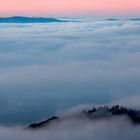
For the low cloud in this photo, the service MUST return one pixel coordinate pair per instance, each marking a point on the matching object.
(77, 127)
(49, 67)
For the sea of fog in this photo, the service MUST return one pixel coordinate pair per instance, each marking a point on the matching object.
(47, 68)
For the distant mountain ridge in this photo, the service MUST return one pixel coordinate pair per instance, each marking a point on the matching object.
(112, 19)
(135, 19)
(21, 19)
(121, 19)
(96, 113)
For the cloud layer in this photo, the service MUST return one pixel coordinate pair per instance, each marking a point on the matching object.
(49, 67)
(77, 127)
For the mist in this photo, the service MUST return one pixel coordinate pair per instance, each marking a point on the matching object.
(75, 126)
(46, 68)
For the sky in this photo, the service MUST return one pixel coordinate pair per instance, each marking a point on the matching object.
(69, 7)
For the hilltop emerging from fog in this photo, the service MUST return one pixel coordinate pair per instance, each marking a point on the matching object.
(20, 19)
(96, 113)
(23, 19)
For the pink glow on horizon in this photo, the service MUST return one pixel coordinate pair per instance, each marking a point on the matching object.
(46, 7)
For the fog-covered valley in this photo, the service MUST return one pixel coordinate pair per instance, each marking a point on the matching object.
(46, 68)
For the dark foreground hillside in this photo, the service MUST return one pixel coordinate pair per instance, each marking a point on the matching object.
(96, 113)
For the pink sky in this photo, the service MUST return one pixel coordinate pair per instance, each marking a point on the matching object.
(64, 7)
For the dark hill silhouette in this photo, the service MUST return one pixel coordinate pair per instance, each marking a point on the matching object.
(135, 19)
(112, 19)
(96, 113)
(133, 115)
(20, 19)
(43, 123)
